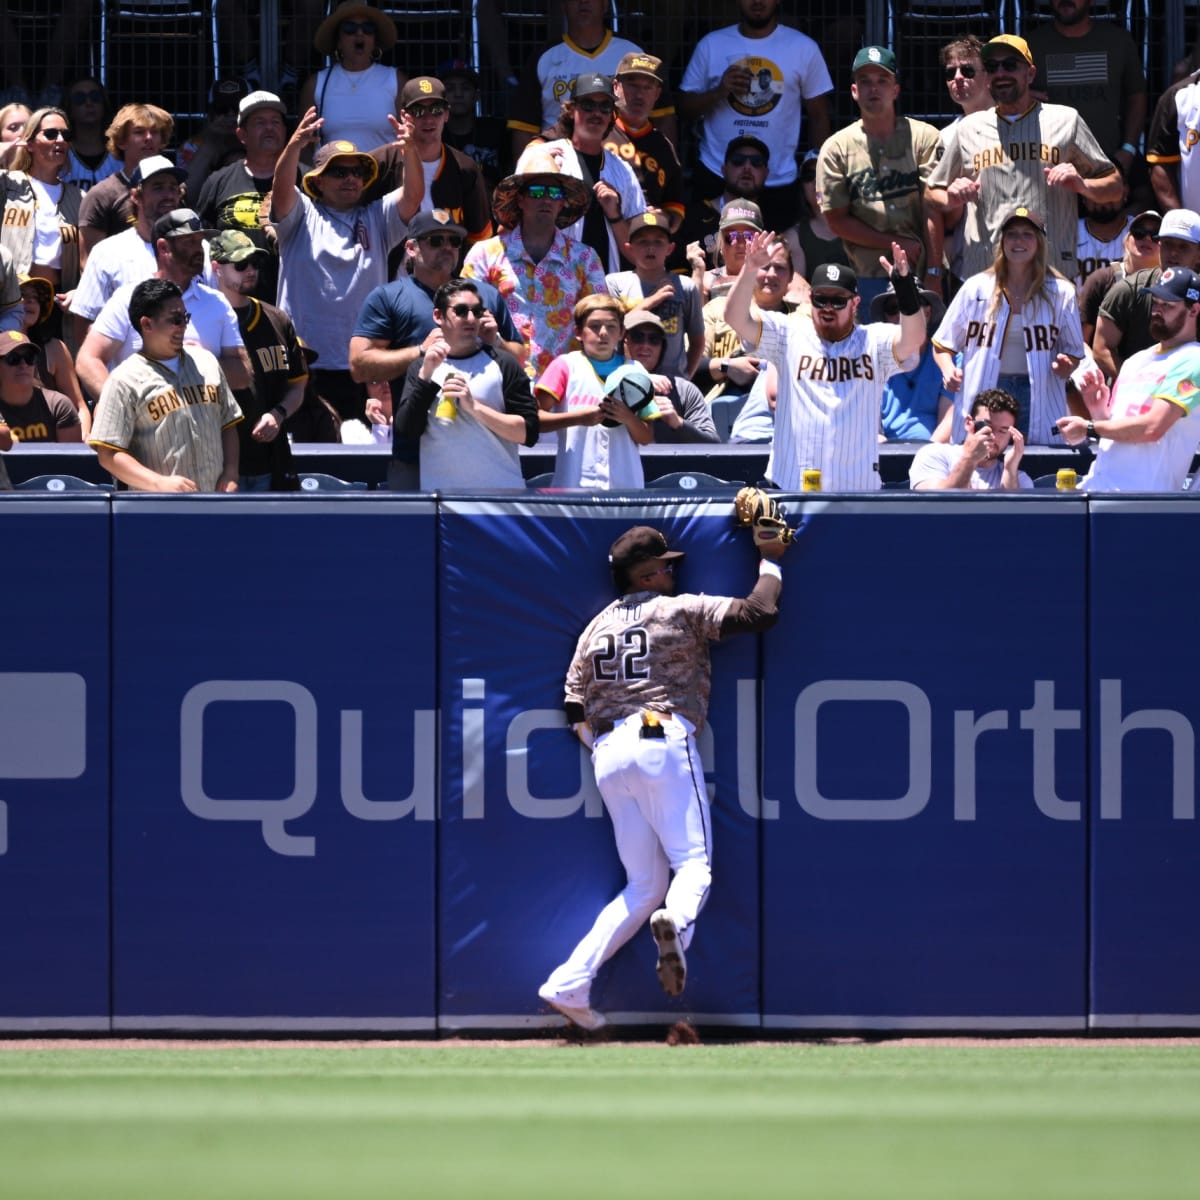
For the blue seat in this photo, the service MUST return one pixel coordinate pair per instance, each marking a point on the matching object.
(317, 481)
(691, 481)
(62, 483)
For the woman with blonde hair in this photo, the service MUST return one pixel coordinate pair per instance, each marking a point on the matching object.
(39, 213)
(1017, 327)
(12, 121)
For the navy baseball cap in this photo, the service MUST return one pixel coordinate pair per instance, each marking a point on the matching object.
(1175, 284)
(834, 275)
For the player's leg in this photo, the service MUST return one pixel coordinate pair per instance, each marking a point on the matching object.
(642, 857)
(677, 806)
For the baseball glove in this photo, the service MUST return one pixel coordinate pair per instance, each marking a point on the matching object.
(760, 512)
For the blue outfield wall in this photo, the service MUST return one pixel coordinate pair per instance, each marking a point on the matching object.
(300, 764)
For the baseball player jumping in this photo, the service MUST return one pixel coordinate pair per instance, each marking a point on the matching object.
(636, 692)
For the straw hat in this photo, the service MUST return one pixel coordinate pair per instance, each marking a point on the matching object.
(538, 165)
(326, 36)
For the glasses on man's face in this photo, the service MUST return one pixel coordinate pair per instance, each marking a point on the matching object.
(438, 240)
(341, 171)
(838, 302)
(52, 135)
(1142, 233)
(25, 357)
(965, 69)
(177, 318)
(1007, 65)
(595, 106)
(244, 265)
(462, 311)
(753, 160)
(95, 96)
(739, 237)
(350, 28)
(420, 111)
(645, 337)
(545, 191)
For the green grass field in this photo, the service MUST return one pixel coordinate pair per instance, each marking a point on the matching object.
(605, 1121)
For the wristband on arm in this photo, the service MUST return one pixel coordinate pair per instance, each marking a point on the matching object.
(908, 295)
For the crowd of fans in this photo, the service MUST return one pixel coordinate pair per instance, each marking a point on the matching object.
(398, 268)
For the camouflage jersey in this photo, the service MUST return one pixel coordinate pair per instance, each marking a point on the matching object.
(647, 651)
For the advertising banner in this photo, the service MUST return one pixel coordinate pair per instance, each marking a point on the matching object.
(527, 852)
(274, 770)
(924, 831)
(1145, 840)
(54, 681)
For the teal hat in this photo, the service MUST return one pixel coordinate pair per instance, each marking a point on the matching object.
(875, 56)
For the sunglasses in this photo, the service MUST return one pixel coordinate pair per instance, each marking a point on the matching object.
(736, 237)
(344, 172)
(350, 28)
(1008, 65)
(25, 357)
(545, 191)
(52, 135)
(463, 311)
(438, 240)
(244, 265)
(1140, 232)
(838, 302)
(93, 97)
(595, 106)
(741, 160)
(651, 336)
(419, 111)
(966, 69)
(178, 318)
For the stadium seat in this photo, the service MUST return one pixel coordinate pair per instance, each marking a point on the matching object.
(691, 481)
(61, 483)
(316, 481)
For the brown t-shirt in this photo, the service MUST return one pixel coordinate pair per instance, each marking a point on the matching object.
(41, 419)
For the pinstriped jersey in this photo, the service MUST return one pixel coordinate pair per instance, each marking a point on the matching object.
(1051, 327)
(1009, 159)
(1175, 134)
(827, 415)
(171, 423)
(647, 651)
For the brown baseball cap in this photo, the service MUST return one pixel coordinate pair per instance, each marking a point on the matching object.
(422, 89)
(640, 544)
(640, 64)
(652, 218)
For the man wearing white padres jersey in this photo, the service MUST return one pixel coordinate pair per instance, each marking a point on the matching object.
(636, 693)
(166, 420)
(1020, 153)
(832, 371)
(1148, 424)
(1171, 146)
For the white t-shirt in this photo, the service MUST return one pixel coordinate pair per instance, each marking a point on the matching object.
(47, 225)
(1160, 466)
(212, 325)
(120, 259)
(785, 68)
(934, 462)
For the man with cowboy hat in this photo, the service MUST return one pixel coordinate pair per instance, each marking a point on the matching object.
(541, 272)
(333, 249)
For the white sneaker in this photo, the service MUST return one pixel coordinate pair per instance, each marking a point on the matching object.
(672, 966)
(582, 1015)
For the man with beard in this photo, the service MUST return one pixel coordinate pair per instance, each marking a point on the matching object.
(1147, 425)
(1096, 68)
(1123, 326)
(719, 85)
(743, 172)
(232, 198)
(1021, 153)
(129, 257)
(277, 360)
(1101, 239)
(831, 371)
(988, 458)
(113, 337)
